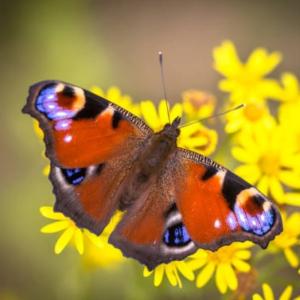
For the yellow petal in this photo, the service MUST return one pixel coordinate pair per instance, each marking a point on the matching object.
(268, 294)
(233, 125)
(163, 112)
(276, 190)
(146, 272)
(250, 173)
(37, 129)
(99, 242)
(78, 237)
(287, 293)
(171, 276)
(257, 297)
(231, 277)
(263, 185)
(197, 263)
(291, 257)
(291, 85)
(220, 279)
(226, 60)
(158, 274)
(176, 111)
(242, 155)
(205, 275)
(149, 114)
(63, 240)
(261, 63)
(46, 170)
(185, 270)
(55, 227)
(114, 94)
(290, 178)
(292, 199)
(241, 265)
(243, 254)
(97, 90)
(47, 212)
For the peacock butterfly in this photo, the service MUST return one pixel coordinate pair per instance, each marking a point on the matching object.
(104, 159)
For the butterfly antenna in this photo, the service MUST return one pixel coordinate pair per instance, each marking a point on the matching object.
(213, 116)
(162, 76)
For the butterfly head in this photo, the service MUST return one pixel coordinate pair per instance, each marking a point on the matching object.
(172, 130)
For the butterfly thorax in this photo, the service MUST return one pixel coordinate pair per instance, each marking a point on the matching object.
(151, 160)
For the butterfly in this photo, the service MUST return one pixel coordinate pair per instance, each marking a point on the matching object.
(104, 159)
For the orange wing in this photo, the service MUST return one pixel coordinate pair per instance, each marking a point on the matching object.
(91, 143)
(151, 231)
(218, 207)
(81, 128)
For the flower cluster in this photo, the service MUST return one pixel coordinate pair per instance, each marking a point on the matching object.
(264, 140)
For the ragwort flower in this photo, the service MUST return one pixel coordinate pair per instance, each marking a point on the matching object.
(195, 137)
(289, 97)
(81, 238)
(246, 81)
(172, 271)
(253, 116)
(40, 134)
(100, 253)
(268, 162)
(198, 104)
(115, 95)
(269, 295)
(65, 224)
(225, 263)
(288, 239)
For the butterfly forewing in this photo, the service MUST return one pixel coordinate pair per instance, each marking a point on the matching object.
(91, 143)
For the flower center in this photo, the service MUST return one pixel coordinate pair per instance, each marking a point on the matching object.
(221, 256)
(254, 111)
(270, 164)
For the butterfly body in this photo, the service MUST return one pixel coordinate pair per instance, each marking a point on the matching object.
(105, 159)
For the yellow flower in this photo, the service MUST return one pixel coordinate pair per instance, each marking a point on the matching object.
(71, 233)
(114, 95)
(289, 109)
(269, 163)
(225, 263)
(198, 104)
(198, 138)
(172, 271)
(246, 81)
(156, 119)
(254, 115)
(40, 134)
(65, 224)
(288, 239)
(269, 295)
(290, 93)
(195, 137)
(100, 253)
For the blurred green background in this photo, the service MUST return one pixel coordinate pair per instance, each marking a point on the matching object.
(106, 43)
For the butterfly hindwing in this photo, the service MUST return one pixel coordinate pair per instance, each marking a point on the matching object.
(219, 208)
(91, 144)
(152, 230)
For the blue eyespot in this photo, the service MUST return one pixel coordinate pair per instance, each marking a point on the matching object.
(47, 103)
(258, 224)
(74, 176)
(176, 236)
